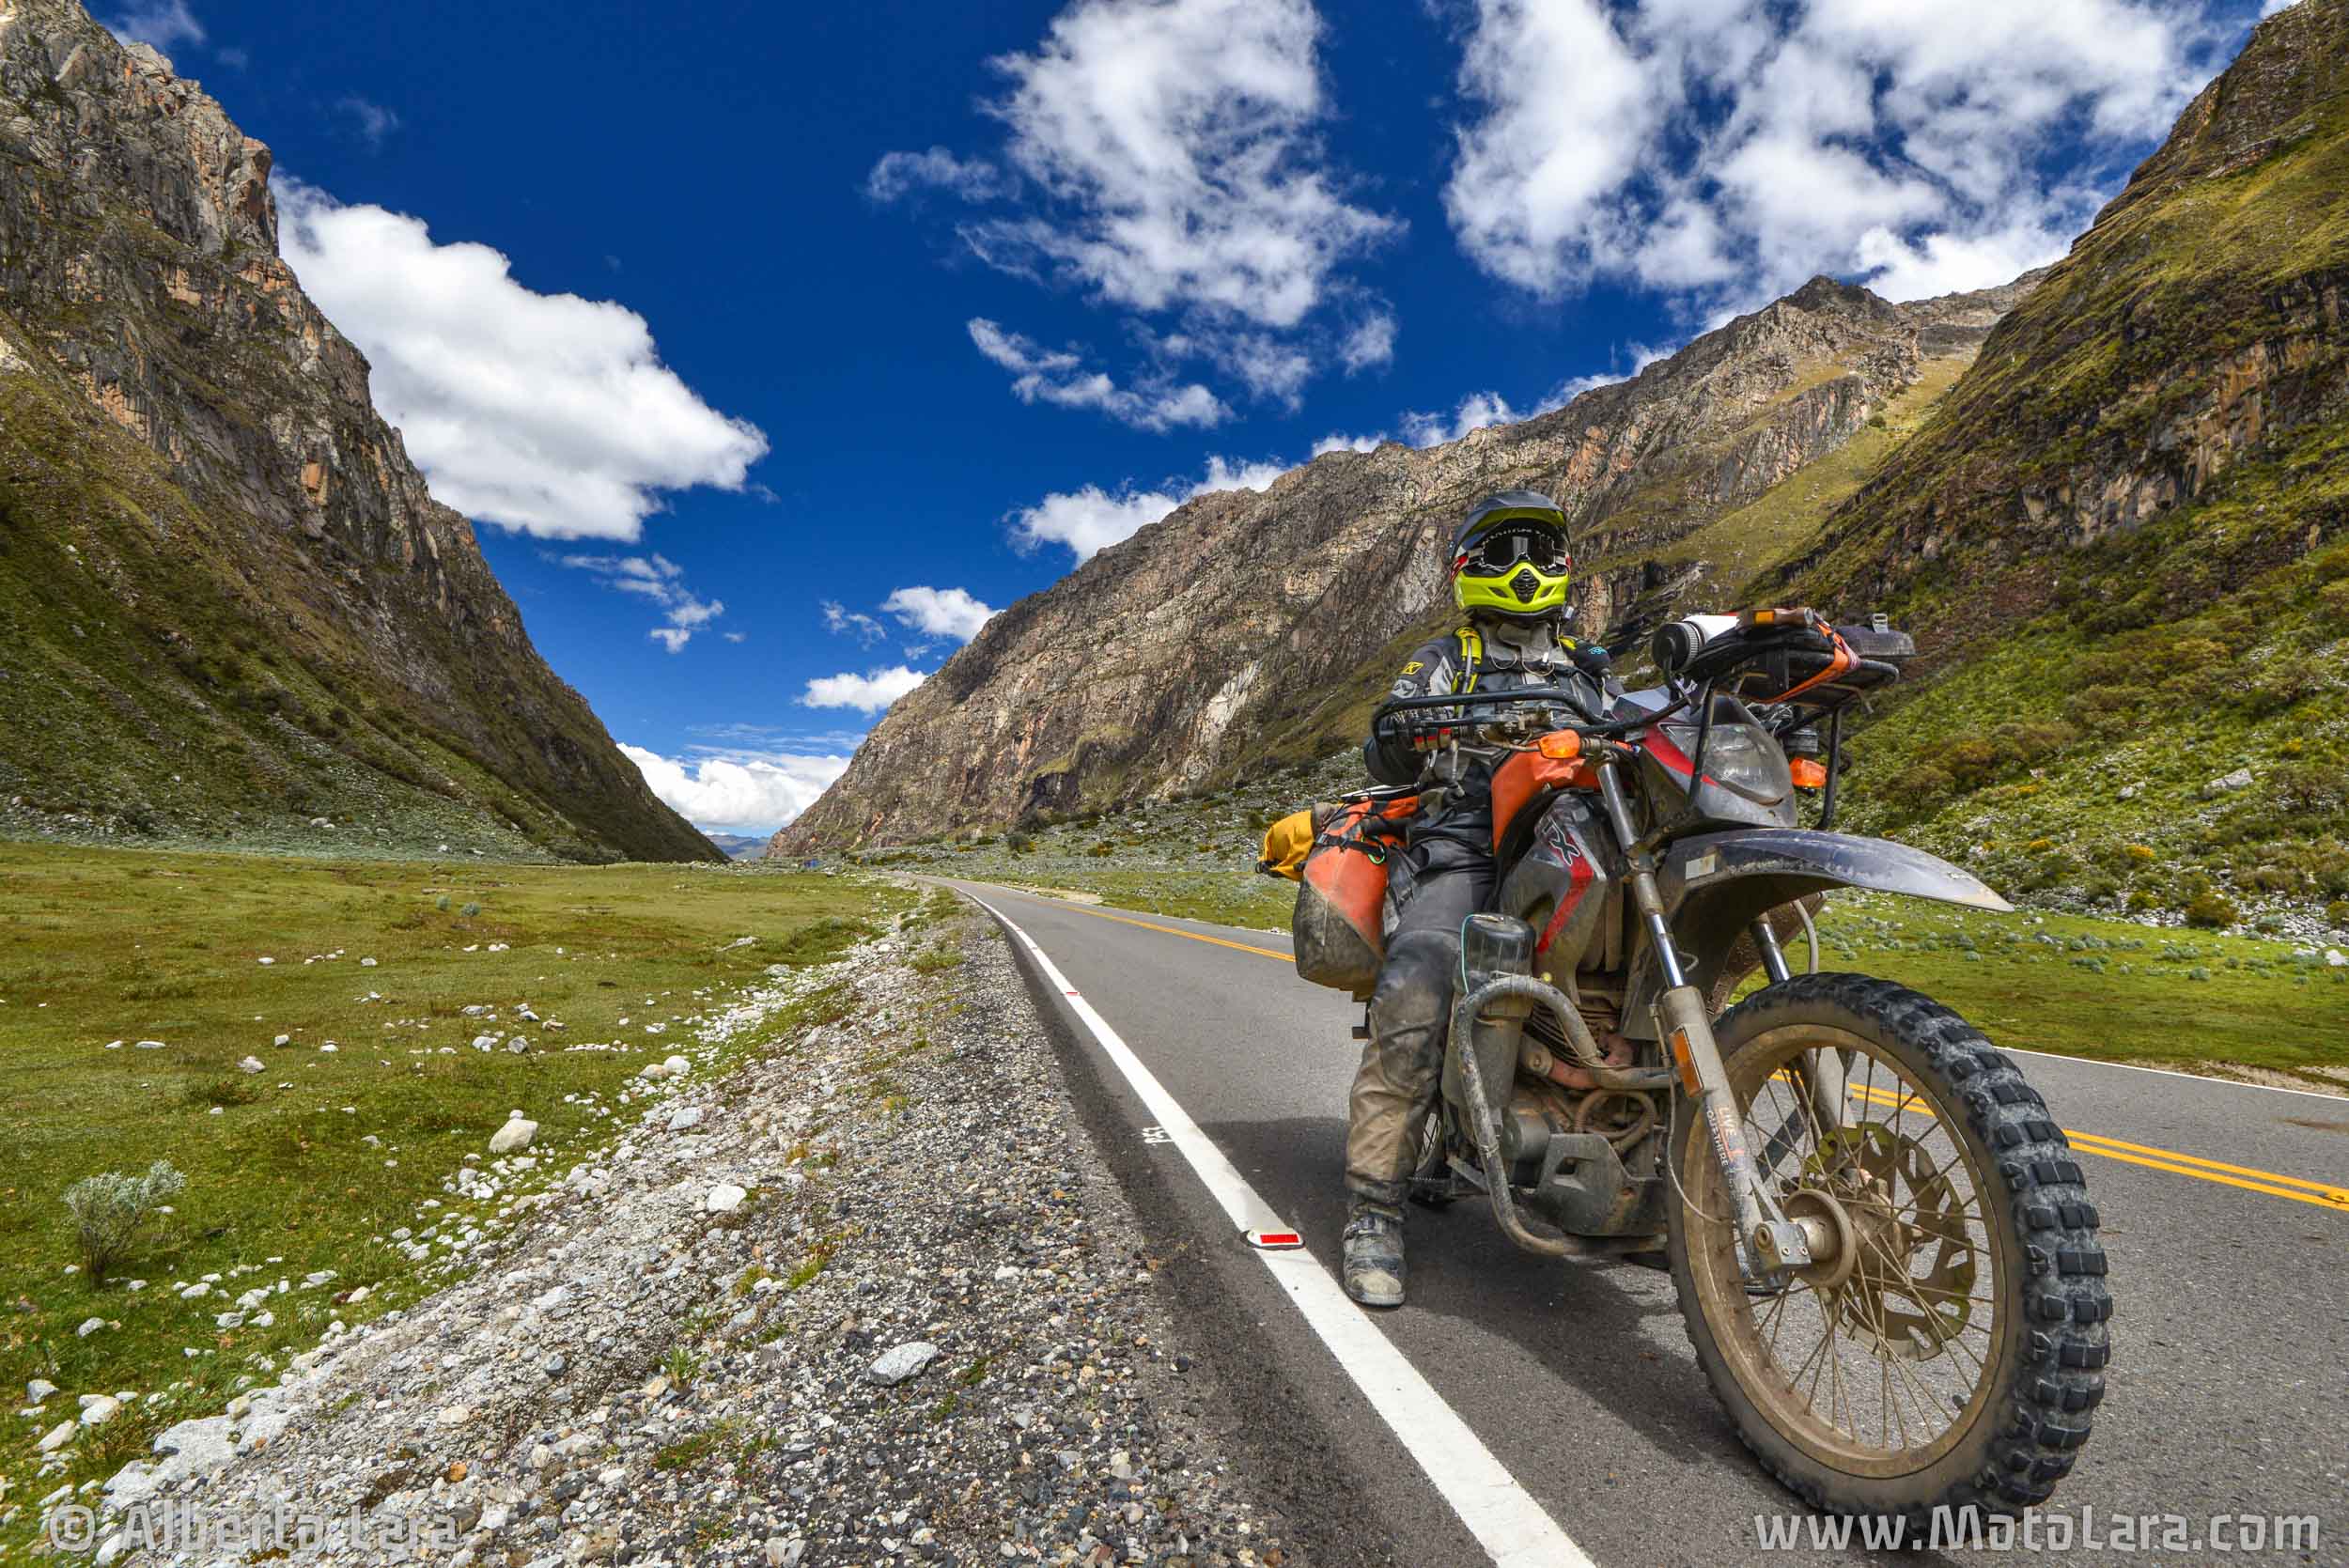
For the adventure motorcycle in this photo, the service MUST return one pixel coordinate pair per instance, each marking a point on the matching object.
(1885, 1252)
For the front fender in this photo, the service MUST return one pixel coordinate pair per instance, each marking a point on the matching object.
(1805, 860)
(1717, 885)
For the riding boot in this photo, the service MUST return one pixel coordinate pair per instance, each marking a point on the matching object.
(1374, 1254)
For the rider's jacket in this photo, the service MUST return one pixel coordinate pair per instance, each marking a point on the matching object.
(1483, 655)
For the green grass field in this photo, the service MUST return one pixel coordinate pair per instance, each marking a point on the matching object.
(313, 1162)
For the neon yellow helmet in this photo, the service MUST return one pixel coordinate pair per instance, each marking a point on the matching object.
(1511, 557)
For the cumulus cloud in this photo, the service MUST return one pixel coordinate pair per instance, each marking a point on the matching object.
(869, 692)
(1339, 442)
(661, 580)
(939, 612)
(1729, 148)
(1164, 156)
(745, 793)
(1174, 140)
(1091, 520)
(546, 413)
(900, 174)
(1058, 376)
(164, 23)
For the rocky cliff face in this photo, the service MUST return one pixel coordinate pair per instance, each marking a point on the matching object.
(226, 597)
(2196, 328)
(1251, 627)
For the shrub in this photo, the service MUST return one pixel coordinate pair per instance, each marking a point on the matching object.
(1918, 784)
(2337, 913)
(2332, 605)
(1019, 842)
(1102, 850)
(112, 1208)
(2210, 910)
(2143, 900)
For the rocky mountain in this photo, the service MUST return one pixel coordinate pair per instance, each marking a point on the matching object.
(2121, 536)
(1251, 627)
(230, 607)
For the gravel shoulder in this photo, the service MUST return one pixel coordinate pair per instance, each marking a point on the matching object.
(881, 1302)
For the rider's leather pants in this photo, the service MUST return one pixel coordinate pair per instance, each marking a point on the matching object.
(1437, 883)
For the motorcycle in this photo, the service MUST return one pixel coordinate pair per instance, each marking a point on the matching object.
(1885, 1252)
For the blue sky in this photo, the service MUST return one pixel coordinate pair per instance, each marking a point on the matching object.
(770, 347)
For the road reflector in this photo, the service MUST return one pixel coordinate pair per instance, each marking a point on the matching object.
(1275, 1241)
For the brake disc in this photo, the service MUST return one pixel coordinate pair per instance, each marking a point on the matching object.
(1906, 1312)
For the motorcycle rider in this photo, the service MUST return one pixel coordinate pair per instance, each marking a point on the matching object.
(1511, 567)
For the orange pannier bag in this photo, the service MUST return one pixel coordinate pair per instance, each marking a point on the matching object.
(1340, 922)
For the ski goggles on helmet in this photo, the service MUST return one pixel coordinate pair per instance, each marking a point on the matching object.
(1499, 551)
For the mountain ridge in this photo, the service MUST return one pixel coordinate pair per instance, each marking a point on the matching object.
(1086, 693)
(231, 607)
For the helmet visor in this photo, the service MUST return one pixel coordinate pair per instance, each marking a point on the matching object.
(1497, 551)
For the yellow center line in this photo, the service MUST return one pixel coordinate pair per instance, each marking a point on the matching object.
(1152, 925)
(2320, 1193)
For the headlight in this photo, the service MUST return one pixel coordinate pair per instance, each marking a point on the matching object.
(1742, 758)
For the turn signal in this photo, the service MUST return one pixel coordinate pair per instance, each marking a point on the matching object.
(1561, 745)
(1809, 772)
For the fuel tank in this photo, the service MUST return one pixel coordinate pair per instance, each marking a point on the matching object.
(1563, 885)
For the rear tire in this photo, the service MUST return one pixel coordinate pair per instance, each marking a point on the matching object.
(2023, 1253)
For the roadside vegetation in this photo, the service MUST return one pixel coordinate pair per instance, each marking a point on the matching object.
(417, 1004)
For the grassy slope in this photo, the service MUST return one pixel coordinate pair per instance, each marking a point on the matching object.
(104, 945)
(170, 671)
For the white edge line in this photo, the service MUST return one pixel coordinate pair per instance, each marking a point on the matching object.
(2170, 1072)
(1514, 1529)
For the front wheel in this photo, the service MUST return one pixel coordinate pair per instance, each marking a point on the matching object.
(1949, 1346)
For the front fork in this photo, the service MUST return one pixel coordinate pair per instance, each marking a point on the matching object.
(1767, 1240)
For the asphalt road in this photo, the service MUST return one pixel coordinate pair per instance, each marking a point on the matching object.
(2230, 1388)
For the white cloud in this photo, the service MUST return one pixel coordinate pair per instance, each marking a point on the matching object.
(745, 793)
(2274, 5)
(374, 121)
(1091, 520)
(542, 413)
(1476, 411)
(1712, 146)
(869, 692)
(1369, 345)
(940, 611)
(164, 23)
(899, 174)
(1175, 140)
(1337, 442)
(1166, 158)
(840, 620)
(661, 580)
(1058, 376)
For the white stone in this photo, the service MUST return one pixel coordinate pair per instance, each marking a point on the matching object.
(516, 1134)
(100, 1408)
(56, 1437)
(265, 962)
(895, 1366)
(148, 1045)
(724, 1198)
(252, 1064)
(282, 1040)
(689, 1117)
(38, 1389)
(89, 1326)
(366, 963)
(2239, 779)
(2335, 959)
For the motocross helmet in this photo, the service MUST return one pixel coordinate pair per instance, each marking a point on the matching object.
(1511, 557)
